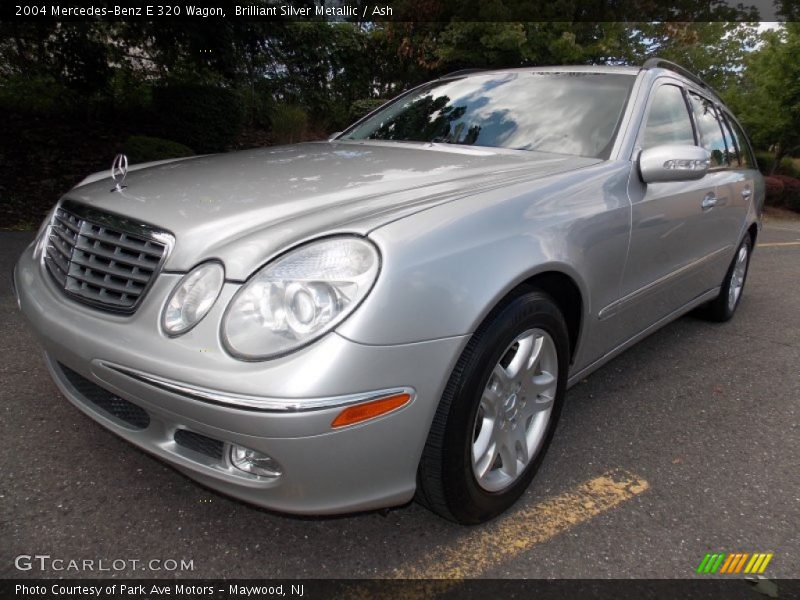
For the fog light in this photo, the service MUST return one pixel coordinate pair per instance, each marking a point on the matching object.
(254, 462)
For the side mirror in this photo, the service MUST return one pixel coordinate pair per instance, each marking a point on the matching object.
(334, 135)
(673, 162)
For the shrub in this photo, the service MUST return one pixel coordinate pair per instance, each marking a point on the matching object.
(38, 95)
(791, 191)
(786, 167)
(364, 106)
(289, 124)
(773, 191)
(259, 104)
(765, 161)
(141, 148)
(794, 203)
(202, 117)
(132, 98)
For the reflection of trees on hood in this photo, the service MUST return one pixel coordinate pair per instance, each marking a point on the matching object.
(427, 119)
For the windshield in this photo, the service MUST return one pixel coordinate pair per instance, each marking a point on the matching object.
(567, 113)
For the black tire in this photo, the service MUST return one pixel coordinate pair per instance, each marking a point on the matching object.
(446, 483)
(720, 308)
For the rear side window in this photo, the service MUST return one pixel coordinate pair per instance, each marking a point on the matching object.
(711, 137)
(668, 121)
(732, 156)
(745, 157)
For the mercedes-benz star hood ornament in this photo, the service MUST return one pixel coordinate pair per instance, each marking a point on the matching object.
(119, 169)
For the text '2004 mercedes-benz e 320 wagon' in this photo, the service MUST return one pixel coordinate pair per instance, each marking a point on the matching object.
(399, 310)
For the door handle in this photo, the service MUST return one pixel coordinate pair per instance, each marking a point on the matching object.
(746, 193)
(709, 201)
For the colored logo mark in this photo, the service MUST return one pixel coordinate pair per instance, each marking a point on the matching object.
(740, 562)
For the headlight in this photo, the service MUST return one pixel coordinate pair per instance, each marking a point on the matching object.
(299, 297)
(192, 298)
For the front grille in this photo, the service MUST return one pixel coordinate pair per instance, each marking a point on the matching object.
(101, 259)
(125, 411)
(199, 443)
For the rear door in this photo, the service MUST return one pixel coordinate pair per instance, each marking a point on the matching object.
(744, 163)
(723, 216)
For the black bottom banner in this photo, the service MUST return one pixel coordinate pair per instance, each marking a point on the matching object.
(369, 589)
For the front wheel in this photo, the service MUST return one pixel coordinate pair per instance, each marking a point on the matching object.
(723, 306)
(498, 413)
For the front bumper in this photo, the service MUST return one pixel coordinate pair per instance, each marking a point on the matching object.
(325, 471)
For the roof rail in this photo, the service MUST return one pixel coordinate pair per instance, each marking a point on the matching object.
(462, 72)
(656, 63)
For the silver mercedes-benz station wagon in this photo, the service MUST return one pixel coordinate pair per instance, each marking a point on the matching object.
(397, 311)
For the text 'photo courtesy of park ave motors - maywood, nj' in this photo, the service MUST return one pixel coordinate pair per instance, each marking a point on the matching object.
(159, 590)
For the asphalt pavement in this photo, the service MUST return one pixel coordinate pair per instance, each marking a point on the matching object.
(686, 444)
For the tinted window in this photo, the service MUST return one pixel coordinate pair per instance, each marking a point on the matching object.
(710, 131)
(668, 121)
(567, 113)
(746, 159)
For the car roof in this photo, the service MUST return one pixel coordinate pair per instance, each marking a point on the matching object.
(626, 70)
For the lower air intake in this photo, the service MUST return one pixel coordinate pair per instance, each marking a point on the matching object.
(135, 416)
(199, 443)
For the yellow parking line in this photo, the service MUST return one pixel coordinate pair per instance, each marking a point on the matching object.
(489, 546)
(777, 244)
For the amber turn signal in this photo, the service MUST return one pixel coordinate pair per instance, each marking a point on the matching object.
(369, 410)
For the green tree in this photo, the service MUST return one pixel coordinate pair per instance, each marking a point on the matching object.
(714, 51)
(517, 44)
(767, 99)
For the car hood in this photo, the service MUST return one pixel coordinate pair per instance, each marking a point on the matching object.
(245, 207)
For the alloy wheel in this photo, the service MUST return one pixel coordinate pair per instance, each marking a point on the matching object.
(514, 411)
(737, 277)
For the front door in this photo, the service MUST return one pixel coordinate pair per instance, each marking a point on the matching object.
(670, 251)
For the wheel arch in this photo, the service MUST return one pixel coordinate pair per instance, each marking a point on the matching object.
(753, 232)
(567, 295)
(565, 291)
